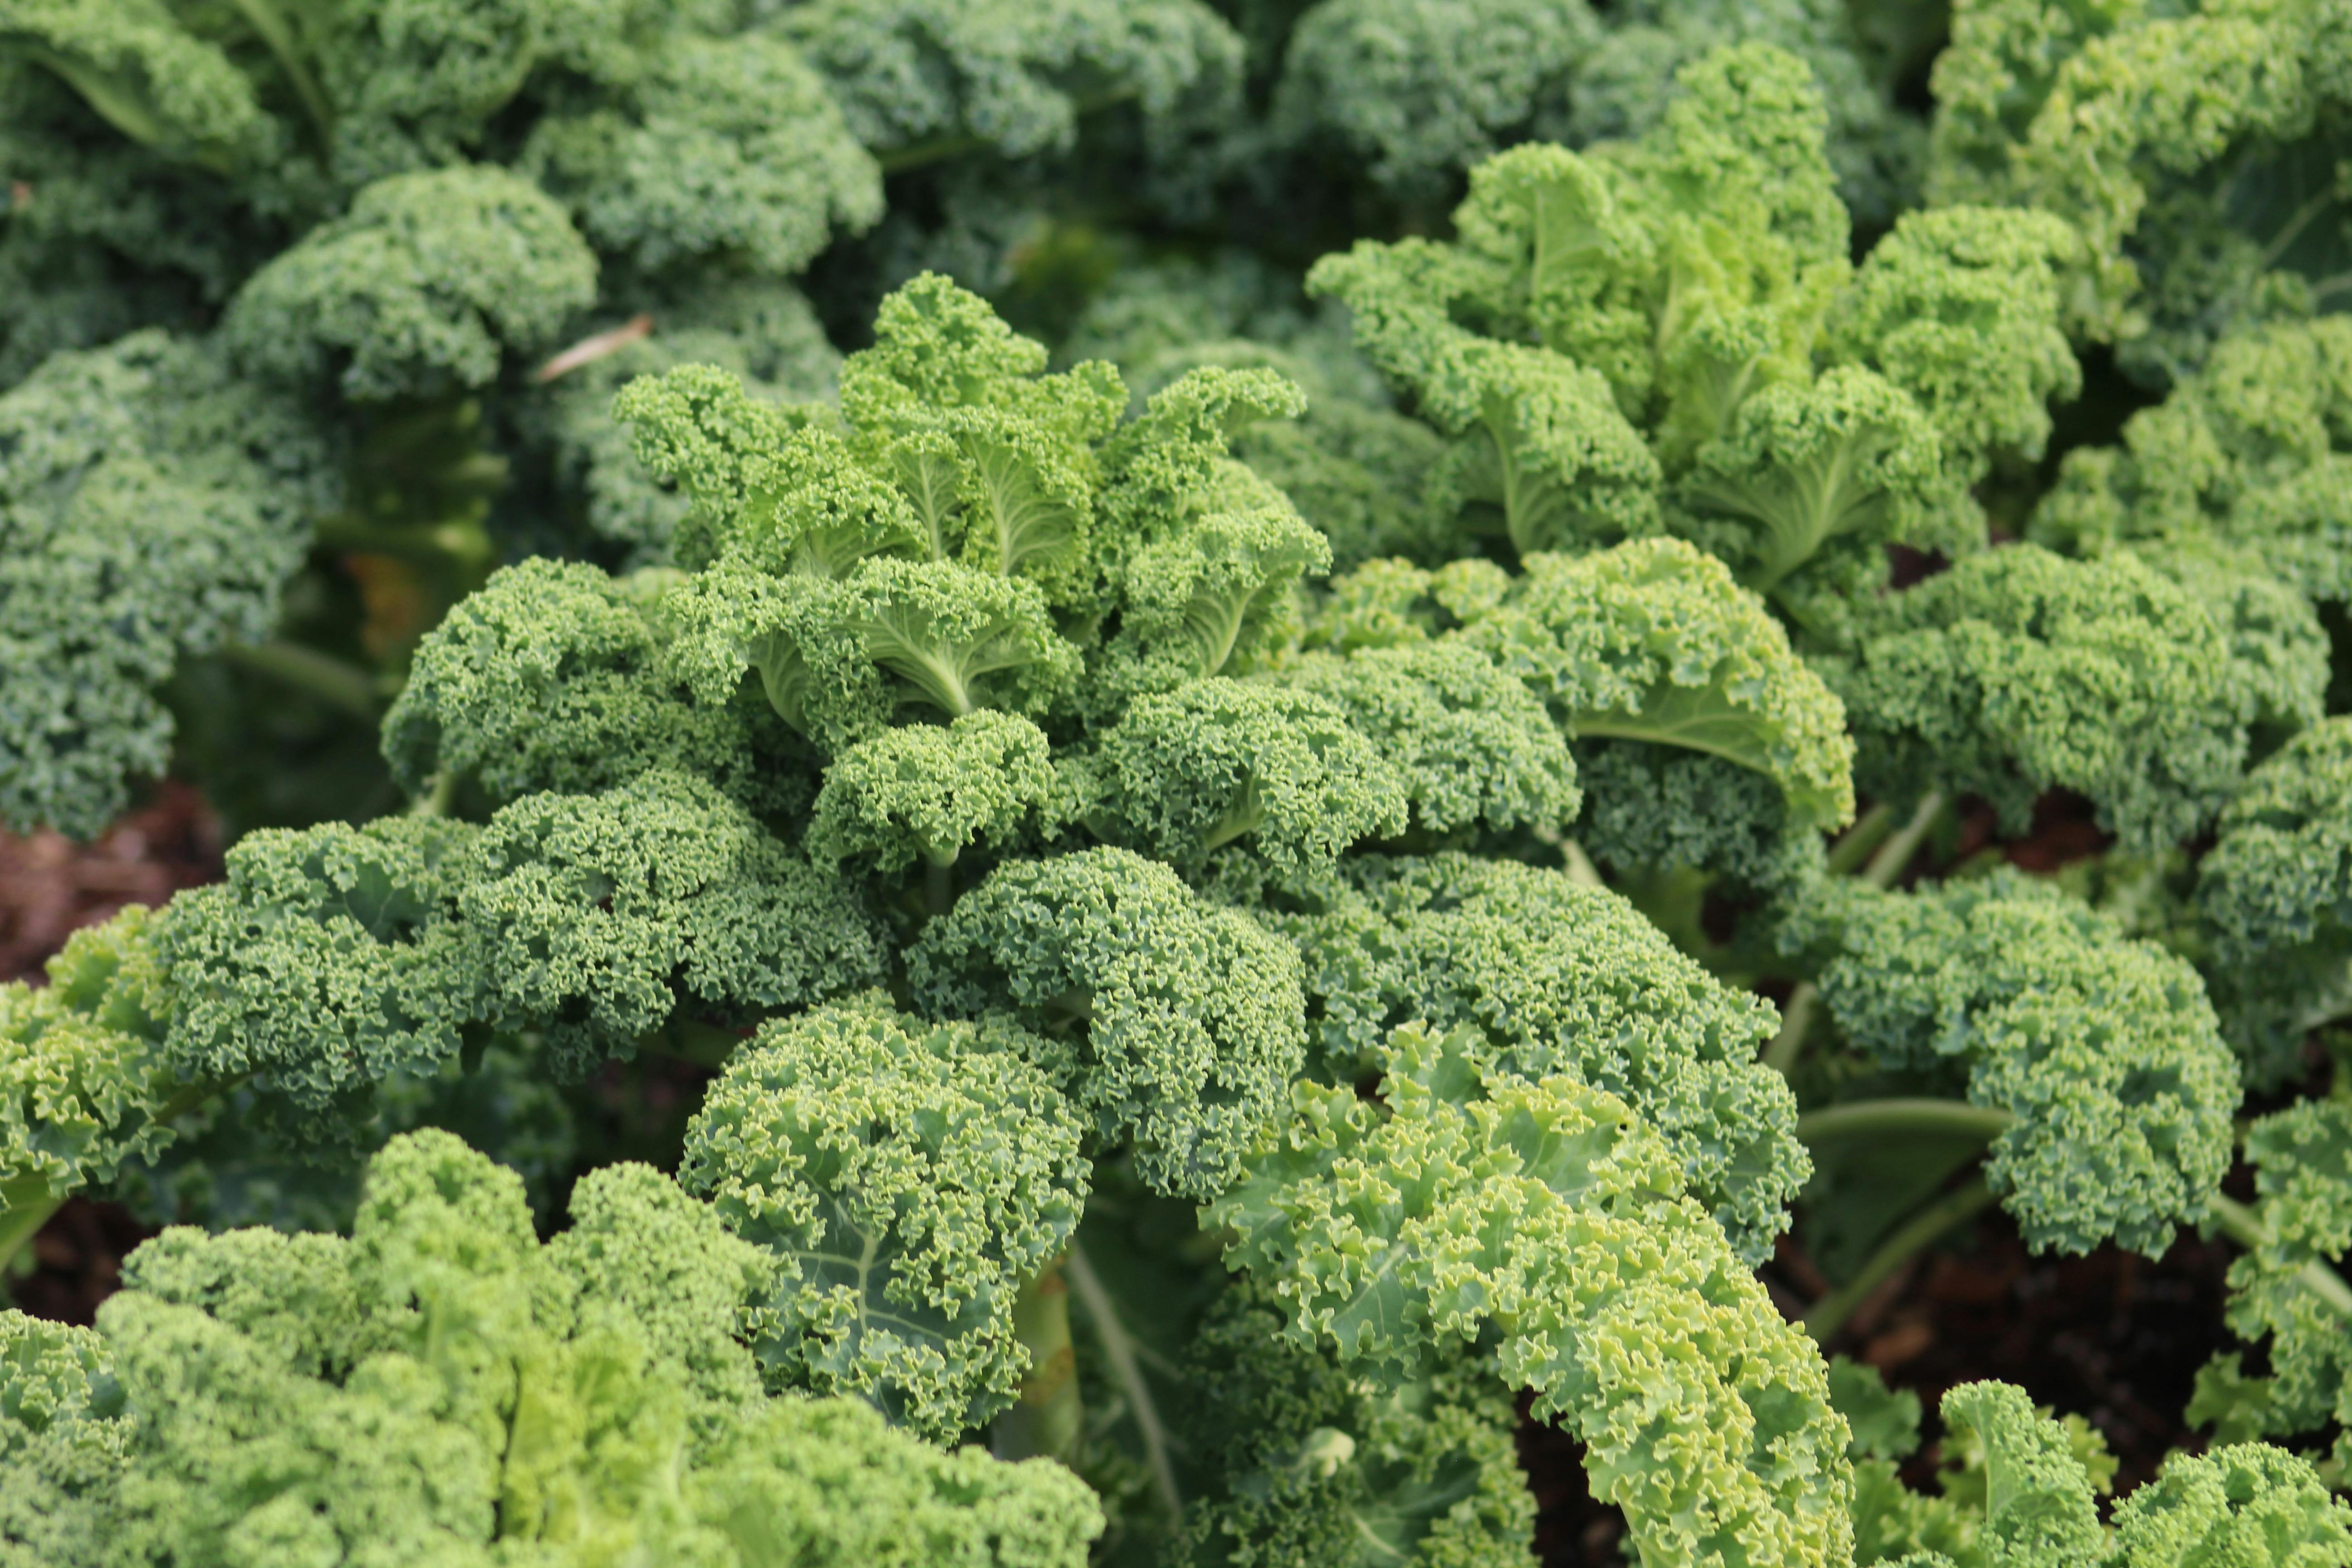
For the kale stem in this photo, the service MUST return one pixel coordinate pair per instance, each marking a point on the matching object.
(1120, 1350)
(24, 1206)
(1796, 1020)
(2291, 230)
(461, 544)
(439, 791)
(1896, 853)
(2244, 1226)
(1962, 1203)
(1854, 844)
(1872, 1117)
(277, 33)
(319, 674)
(2336, 284)
(1045, 1419)
(939, 885)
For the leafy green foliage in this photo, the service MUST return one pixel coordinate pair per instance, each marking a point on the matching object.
(729, 148)
(1541, 453)
(151, 504)
(1656, 809)
(921, 782)
(1801, 465)
(1961, 308)
(1559, 978)
(60, 1439)
(1472, 745)
(838, 657)
(153, 82)
(125, 242)
(2195, 152)
(918, 79)
(417, 288)
(2019, 670)
(2273, 894)
(908, 1180)
(82, 1063)
(1654, 641)
(246, 1156)
(374, 213)
(2103, 1049)
(2247, 1501)
(761, 330)
(2244, 453)
(2021, 1486)
(1412, 93)
(555, 677)
(119, 1080)
(929, 791)
(595, 917)
(2037, 1495)
(1310, 1465)
(1884, 1421)
(2301, 1156)
(1210, 599)
(1667, 335)
(327, 958)
(1470, 1200)
(1419, 92)
(1349, 463)
(1221, 761)
(441, 1385)
(1179, 1022)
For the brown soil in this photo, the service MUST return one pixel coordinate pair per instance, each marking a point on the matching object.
(77, 1261)
(50, 886)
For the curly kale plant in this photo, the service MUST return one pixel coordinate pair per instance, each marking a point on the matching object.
(981, 695)
(1077, 780)
(440, 1386)
(363, 225)
(2194, 149)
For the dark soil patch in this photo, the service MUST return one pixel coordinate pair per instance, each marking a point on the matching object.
(51, 887)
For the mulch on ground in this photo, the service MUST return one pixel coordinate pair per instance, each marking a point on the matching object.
(50, 886)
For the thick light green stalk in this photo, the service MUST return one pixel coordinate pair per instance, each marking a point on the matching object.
(1045, 1419)
(1796, 1022)
(1923, 1228)
(440, 790)
(1896, 853)
(1895, 1117)
(1854, 844)
(26, 1206)
(2244, 1226)
(277, 30)
(322, 676)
